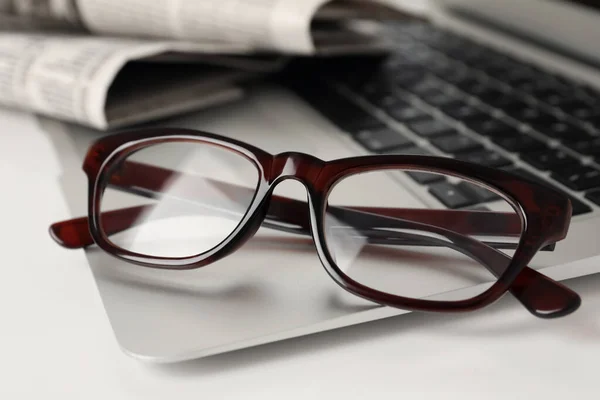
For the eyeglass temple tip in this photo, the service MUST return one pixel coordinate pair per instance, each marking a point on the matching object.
(544, 297)
(71, 234)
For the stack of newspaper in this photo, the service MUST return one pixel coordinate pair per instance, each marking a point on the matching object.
(111, 63)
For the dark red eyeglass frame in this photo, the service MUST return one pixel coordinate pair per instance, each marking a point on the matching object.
(544, 215)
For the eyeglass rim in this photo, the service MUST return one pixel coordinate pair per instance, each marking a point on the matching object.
(535, 202)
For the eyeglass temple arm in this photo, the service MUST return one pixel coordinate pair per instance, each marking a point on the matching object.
(75, 234)
(539, 294)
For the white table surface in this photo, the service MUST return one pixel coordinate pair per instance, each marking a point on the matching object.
(55, 339)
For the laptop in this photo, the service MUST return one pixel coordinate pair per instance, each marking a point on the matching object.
(512, 84)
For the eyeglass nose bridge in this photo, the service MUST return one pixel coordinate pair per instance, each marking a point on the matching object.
(298, 166)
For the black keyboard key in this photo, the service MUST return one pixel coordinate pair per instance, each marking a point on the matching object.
(455, 144)
(431, 128)
(548, 159)
(577, 108)
(464, 112)
(529, 115)
(451, 196)
(549, 95)
(518, 142)
(441, 67)
(490, 127)
(579, 207)
(390, 102)
(456, 76)
(507, 102)
(586, 115)
(425, 178)
(589, 92)
(587, 147)
(406, 114)
(594, 122)
(562, 131)
(578, 178)
(593, 196)
(438, 98)
(485, 158)
(426, 87)
(518, 78)
(393, 102)
(410, 78)
(376, 93)
(382, 139)
(489, 95)
(470, 85)
(481, 194)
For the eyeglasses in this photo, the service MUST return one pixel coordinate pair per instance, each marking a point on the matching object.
(183, 199)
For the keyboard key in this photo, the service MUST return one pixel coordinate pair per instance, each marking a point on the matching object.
(593, 196)
(410, 78)
(548, 159)
(464, 112)
(425, 178)
(490, 127)
(587, 147)
(485, 158)
(438, 98)
(471, 85)
(594, 122)
(406, 114)
(550, 96)
(390, 102)
(489, 94)
(455, 144)
(518, 142)
(426, 87)
(376, 93)
(456, 76)
(561, 130)
(482, 195)
(529, 115)
(507, 102)
(451, 196)
(518, 78)
(383, 139)
(431, 128)
(590, 92)
(577, 108)
(578, 178)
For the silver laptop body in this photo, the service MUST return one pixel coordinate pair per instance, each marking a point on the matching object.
(259, 295)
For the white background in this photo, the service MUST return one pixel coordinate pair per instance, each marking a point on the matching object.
(56, 342)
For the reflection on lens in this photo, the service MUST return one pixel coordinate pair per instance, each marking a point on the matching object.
(183, 198)
(422, 243)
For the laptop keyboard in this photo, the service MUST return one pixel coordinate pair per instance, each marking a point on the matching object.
(442, 94)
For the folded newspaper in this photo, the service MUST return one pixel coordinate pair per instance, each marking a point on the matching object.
(113, 63)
